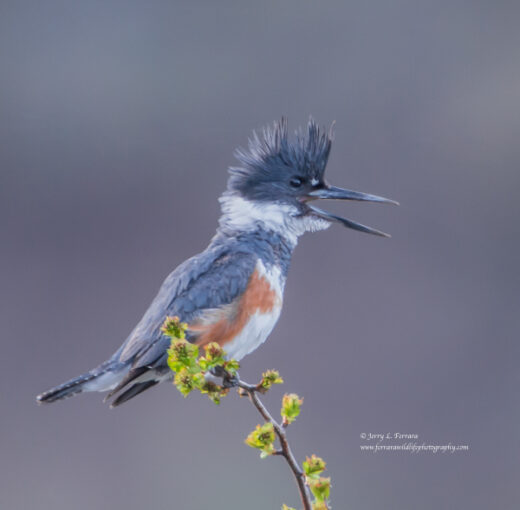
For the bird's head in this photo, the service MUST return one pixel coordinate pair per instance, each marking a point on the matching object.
(278, 181)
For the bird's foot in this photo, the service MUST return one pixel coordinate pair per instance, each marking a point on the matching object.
(228, 380)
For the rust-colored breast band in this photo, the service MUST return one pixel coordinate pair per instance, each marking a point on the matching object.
(258, 297)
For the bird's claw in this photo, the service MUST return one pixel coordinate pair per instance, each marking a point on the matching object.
(228, 380)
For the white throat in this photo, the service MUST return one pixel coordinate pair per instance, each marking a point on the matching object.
(239, 214)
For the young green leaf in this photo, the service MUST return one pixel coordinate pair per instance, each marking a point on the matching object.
(174, 328)
(214, 356)
(320, 487)
(269, 378)
(182, 354)
(313, 466)
(231, 366)
(186, 381)
(291, 404)
(214, 391)
(262, 438)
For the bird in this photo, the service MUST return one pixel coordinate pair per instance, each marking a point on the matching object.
(232, 292)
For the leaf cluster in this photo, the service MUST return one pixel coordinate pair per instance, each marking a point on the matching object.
(319, 485)
(191, 374)
(190, 370)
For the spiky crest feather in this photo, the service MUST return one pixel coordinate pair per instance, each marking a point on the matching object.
(272, 153)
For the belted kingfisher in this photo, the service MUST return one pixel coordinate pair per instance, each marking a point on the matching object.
(232, 292)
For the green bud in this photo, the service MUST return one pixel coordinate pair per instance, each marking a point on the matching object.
(291, 404)
(174, 328)
(262, 438)
(185, 381)
(269, 378)
(214, 392)
(320, 487)
(285, 507)
(182, 354)
(232, 366)
(313, 466)
(214, 356)
(213, 351)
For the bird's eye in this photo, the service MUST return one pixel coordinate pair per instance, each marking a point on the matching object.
(296, 182)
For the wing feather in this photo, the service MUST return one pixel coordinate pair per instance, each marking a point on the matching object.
(211, 280)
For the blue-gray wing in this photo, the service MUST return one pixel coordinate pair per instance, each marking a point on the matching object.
(210, 280)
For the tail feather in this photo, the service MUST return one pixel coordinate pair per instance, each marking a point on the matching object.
(133, 391)
(130, 376)
(65, 390)
(110, 377)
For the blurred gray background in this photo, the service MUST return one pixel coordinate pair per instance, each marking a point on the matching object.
(117, 123)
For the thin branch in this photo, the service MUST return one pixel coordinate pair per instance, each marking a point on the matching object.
(190, 374)
(285, 451)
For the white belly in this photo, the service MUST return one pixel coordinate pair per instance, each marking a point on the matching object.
(253, 334)
(260, 325)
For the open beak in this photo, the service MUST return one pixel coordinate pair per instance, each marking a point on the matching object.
(334, 193)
